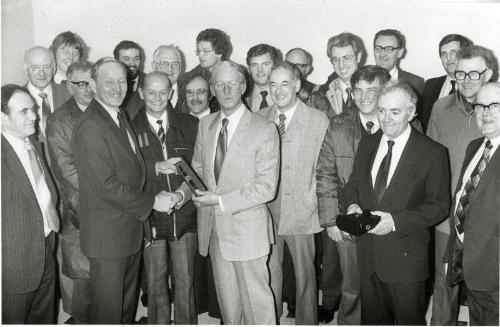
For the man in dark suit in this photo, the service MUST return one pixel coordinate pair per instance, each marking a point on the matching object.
(401, 176)
(164, 135)
(29, 216)
(113, 207)
(472, 254)
(389, 46)
(439, 87)
(75, 265)
(131, 55)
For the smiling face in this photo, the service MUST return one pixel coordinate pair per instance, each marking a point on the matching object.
(40, 67)
(20, 120)
(197, 95)
(168, 61)
(284, 87)
(345, 62)
(110, 86)
(468, 87)
(155, 93)
(365, 95)
(65, 56)
(81, 93)
(394, 112)
(131, 58)
(488, 121)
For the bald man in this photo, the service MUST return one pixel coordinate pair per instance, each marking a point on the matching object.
(163, 135)
(472, 254)
(303, 61)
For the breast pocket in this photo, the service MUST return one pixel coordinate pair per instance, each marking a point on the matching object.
(182, 150)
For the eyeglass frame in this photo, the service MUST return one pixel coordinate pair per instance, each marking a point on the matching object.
(197, 92)
(346, 59)
(468, 74)
(387, 49)
(231, 85)
(37, 68)
(174, 65)
(203, 51)
(481, 107)
(80, 84)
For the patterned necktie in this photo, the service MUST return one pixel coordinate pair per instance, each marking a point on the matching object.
(470, 187)
(369, 126)
(43, 193)
(220, 152)
(383, 172)
(452, 87)
(161, 131)
(281, 125)
(263, 103)
(349, 101)
(45, 111)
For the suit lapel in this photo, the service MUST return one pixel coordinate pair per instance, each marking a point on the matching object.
(209, 150)
(238, 137)
(489, 173)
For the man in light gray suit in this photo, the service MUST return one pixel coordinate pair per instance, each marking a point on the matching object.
(295, 209)
(237, 156)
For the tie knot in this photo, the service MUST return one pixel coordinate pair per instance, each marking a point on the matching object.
(159, 122)
(42, 95)
(28, 145)
(488, 145)
(453, 83)
(390, 144)
(348, 90)
(263, 93)
(369, 126)
(225, 121)
(282, 118)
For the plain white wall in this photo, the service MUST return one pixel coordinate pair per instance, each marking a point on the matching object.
(282, 23)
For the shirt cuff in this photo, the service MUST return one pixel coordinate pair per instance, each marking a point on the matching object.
(181, 202)
(221, 205)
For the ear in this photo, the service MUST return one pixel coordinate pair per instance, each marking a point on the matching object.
(141, 95)
(358, 57)
(68, 87)
(297, 85)
(93, 85)
(212, 90)
(488, 74)
(400, 53)
(244, 87)
(412, 109)
(170, 94)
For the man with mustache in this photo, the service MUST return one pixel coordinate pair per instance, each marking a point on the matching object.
(198, 97)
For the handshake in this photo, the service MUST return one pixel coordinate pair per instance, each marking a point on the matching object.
(166, 201)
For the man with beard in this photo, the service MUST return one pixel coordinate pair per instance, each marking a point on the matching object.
(439, 87)
(198, 96)
(131, 55)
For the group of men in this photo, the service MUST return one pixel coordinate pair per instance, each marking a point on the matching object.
(89, 151)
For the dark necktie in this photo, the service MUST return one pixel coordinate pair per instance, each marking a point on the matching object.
(349, 101)
(263, 103)
(170, 100)
(369, 126)
(383, 172)
(281, 125)
(45, 111)
(161, 131)
(455, 270)
(45, 198)
(220, 152)
(121, 122)
(452, 87)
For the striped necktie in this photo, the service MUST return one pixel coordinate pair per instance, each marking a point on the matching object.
(45, 111)
(220, 152)
(281, 125)
(161, 131)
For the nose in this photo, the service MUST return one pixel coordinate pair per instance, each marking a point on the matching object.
(365, 96)
(260, 68)
(32, 114)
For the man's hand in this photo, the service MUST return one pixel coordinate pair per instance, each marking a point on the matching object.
(386, 224)
(165, 201)
(337, 235)
(167, 167)
(334, 95)
(354, 208)
(205, 198)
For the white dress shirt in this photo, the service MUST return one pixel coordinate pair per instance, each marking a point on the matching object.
(113, 112)
(375, 122)
(394, 74)
(445, 90)
(35, 93)
(257, 98)
(344, 87)
(152, 121)
(22, 153)
(175, 95)
(397, 150)
(288, 114)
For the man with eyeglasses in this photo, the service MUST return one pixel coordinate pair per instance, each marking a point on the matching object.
(439, 87)
(389, 46)
(472, 254)
(167, 59)
(452, 124)
(198, 97)
(131, 55)
(39, 65)
(345, 51)
(164, 135)
(303, 60)
(237, 156)
(75, 266)
(261, 58)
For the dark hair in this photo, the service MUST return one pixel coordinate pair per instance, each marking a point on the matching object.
(8, 91)
(191, 78)
(474, 51)
(125, 45)
(369, 73)
(81, 66)
(464, 42)
(71, 39)
(346, 39)
(292, 68)
(391, 32)
(218, 39)
(261, 49)
(103, 60)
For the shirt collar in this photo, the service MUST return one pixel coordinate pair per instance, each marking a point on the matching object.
(35, 91)
(152, 120)
(364, 120)
(343, 85)
(394, 73)
(235, 117)
(401, 139)
(15, 141)
(494, 141)
(288, 114)
(204, 113)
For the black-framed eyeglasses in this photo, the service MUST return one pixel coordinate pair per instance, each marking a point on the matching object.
(388, 49)
(473, 75)
(169, 65)
(232, 85)
(203, 51)
(80, 84)
(198, 92)
(493, 108)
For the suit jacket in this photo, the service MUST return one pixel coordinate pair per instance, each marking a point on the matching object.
(415, 81)
(133, 103)
(247, 181)
(113, 206)
(430, 94)
(60, 94)
(295, 209)
(23, 239)
(417, 198)
(180, 139)
(481, 232)
(320, 101)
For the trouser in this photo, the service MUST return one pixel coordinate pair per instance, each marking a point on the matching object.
(331, 274)
(113, 289)
(350, 302)
(182, 254)
(483, 307)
